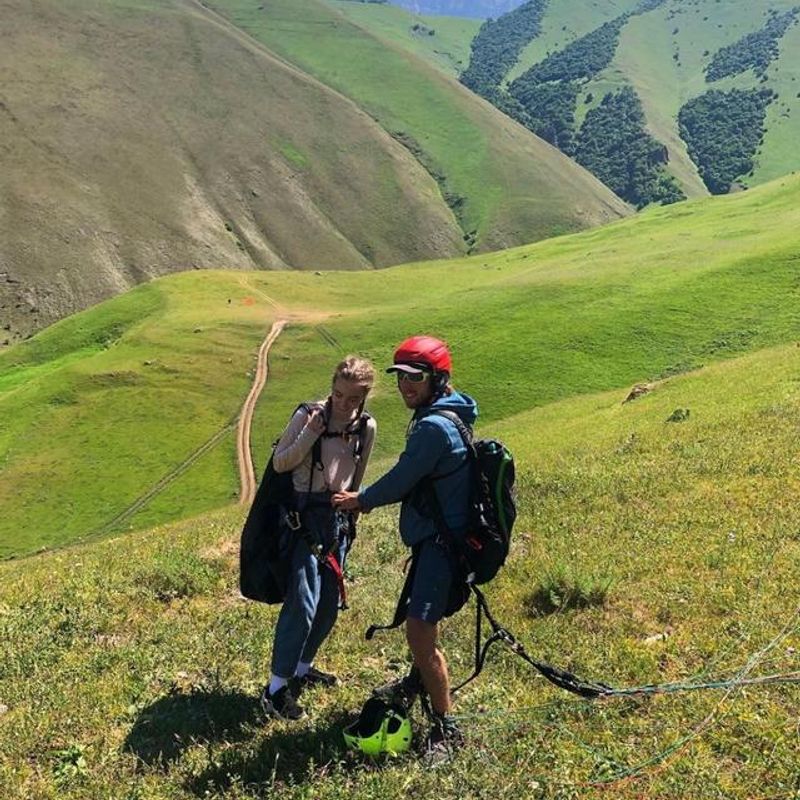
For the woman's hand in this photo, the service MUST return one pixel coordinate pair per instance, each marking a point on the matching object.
(316, 421)
(346, 501)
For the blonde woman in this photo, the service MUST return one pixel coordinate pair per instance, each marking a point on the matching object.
(326, 447)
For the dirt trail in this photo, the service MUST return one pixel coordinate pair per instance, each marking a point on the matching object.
(247, 475)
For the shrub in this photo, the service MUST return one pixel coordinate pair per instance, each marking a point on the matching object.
(567, 586)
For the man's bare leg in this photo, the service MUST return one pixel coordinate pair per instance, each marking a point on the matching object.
(422, 637)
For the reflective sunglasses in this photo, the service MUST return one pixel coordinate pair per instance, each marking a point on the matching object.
(411, 377)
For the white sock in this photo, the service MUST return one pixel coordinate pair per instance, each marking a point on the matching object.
(302, 669)
(276, 683)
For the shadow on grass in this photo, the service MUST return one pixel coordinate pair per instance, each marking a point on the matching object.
(230, 726)
(288, 756)
(166, 728)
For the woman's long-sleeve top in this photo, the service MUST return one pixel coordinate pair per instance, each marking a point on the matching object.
(342, 470)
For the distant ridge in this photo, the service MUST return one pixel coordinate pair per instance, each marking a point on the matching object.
(478, 9)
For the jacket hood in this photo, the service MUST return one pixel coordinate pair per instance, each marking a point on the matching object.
(461, 404)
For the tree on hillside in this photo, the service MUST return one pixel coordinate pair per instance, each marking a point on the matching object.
(755, 51)
(550, 108)
(497, 45)
(614, 145)
(722, 131)
(648, 5)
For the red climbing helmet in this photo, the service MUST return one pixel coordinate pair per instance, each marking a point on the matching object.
(421, 354)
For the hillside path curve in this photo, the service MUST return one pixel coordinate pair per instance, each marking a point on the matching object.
(247, 475)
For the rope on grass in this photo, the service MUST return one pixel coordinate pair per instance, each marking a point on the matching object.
(594, 691)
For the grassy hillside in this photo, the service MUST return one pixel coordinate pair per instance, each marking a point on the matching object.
(505, 185)
(663, 54)
(646, 58)
(131, 668)
(106, 403)
(444, 41)
(147, 137)
(102, 408)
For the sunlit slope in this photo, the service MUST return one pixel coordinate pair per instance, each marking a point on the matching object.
(141, 138)
(689, 530)
(100, 407)
(663, 54)
(505, 185)
(98, 411)
(444, 41)
(563, 22)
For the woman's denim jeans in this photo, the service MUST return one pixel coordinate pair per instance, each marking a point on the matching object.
(312, 594)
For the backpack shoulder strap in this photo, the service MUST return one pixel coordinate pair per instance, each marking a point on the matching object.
(463, 429)
(466, 436)
(361, 432)
(360, 437)
(316, 449)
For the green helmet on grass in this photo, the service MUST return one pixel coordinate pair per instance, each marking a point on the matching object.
(380, 728)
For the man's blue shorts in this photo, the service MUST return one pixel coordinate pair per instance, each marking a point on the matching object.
(433, 582)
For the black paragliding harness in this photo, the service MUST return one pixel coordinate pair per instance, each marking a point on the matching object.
(264, 552)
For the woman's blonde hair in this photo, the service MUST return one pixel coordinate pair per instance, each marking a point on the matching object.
(355, 369)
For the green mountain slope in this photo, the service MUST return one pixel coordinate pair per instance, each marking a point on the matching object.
(141, 138)
(665, 51)
(444, 41)
(102, 408)
(686, 533)
(647, 59)
(506, 186)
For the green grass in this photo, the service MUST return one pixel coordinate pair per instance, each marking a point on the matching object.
(152, 664)
(106, 403)
(530, 326)
(448, 48)
(778, 152)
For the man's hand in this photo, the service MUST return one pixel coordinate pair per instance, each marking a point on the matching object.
(346, 501)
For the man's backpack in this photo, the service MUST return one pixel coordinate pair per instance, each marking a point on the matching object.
(492, 507)
(267, 540)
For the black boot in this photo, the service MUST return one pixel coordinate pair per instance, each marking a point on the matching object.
(404, 691)
(443, 740)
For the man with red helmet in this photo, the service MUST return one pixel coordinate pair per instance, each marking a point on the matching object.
(434, 459)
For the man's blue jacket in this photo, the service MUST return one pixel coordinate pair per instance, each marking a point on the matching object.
(434, 449)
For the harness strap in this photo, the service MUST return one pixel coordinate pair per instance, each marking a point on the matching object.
(559, 677)
(329, 559)
(401, 610)
(332, 563)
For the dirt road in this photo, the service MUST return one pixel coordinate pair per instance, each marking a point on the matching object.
(247, 475)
